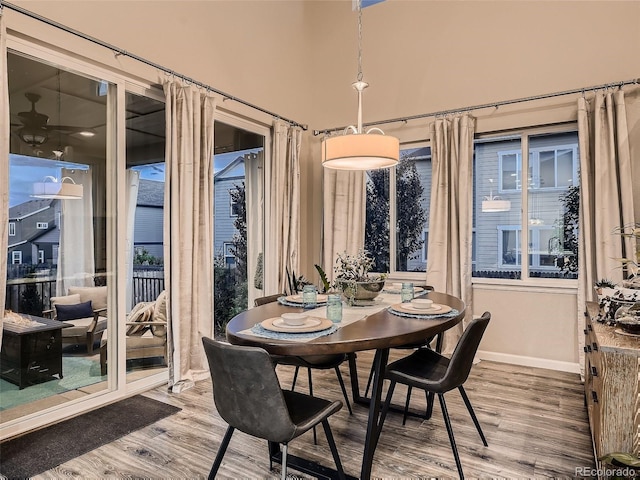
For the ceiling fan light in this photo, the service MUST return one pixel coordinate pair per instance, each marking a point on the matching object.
(87, 133)
(33, 136)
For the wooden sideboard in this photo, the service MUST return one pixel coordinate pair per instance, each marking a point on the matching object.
(612, 369)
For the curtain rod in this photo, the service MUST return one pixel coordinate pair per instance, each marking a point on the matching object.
(119, 51)
(634, 81)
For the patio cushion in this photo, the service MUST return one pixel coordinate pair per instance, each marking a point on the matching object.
(65, 300)
(73, 311)
(160, 315)
(80, 326)
(97, 295)
(141, 312)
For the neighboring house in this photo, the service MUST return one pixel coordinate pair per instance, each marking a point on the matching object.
(148, 225)
(225, 180)
(33, 232)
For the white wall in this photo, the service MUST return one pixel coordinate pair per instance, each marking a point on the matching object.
(298, 58)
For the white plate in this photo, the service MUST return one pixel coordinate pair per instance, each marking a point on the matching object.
(397, 292)
(435, 308)
(309, 322)
(322, 298)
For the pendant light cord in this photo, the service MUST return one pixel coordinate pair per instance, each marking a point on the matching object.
(359, 77)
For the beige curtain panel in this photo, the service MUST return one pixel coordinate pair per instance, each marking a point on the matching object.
(188, 227)
(606, 194)
(76, 255)
(4, 166)
(284, 208)
(344, 200)
(450, 226)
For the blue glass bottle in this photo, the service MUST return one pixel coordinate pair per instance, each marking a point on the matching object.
(334, 308)
(309, 296)
(406, 293)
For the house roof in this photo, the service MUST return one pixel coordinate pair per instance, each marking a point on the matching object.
(48, 236)
(26, 209)
(234, 169)
(150, 193)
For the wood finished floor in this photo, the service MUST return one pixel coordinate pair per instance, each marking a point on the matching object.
(535, 422)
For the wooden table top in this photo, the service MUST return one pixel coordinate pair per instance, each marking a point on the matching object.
(45, 325)
(379, 330)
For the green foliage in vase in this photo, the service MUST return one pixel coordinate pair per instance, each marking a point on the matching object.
(323, 278)
(356, 268)
(631, 261)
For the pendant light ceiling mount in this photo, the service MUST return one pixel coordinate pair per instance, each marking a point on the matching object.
(356, 149)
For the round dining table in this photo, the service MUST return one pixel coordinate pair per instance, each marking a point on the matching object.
(378, 331)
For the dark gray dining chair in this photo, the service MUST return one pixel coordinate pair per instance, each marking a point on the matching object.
(318, 362)
(248, 397)
(434, 373)
(411, 346)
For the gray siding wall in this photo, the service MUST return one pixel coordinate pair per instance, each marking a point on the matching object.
(148, 229)
(223, 226)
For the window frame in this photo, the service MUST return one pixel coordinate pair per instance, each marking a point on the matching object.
(16, 255)
(12, 229)
(42, 225)
(524, 134)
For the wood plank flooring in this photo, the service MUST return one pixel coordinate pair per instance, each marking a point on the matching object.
(535, 422)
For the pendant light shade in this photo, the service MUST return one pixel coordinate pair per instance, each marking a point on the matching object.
(356, 149)
(360, 151)
(494, 203)
(55, 189)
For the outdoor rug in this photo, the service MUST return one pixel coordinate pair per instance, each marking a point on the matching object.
(78, 372)
(44, 449)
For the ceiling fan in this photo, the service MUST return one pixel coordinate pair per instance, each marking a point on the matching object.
(35, 126)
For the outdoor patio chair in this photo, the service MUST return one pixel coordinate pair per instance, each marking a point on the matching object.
(146, 335)
(85, 309)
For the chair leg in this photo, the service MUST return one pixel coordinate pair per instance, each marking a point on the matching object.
(344, 390)
(430, 399)
(221, 452)
(315, 435)
(284, 461)
(295, 377)
(473, 414)
(334, 450)
(452, 440)
(406, 405)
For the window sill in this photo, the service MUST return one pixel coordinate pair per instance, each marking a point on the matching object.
(527, 284)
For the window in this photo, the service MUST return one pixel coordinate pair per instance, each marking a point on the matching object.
(12, 229)
(228, 250)
(400, 196)
(40, 256)
(16, 257)
(551, 199)
(42, 225)
(235, 206)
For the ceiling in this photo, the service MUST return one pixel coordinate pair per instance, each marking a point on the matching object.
(73, 100)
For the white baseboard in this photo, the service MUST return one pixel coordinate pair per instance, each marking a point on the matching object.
(529, 361)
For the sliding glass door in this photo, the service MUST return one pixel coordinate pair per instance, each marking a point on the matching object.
(58, 275)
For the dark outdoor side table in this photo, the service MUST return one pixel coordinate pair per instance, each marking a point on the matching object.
(31, 354)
